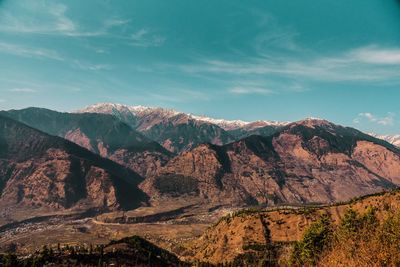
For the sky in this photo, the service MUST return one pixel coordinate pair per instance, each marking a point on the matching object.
(233, 59)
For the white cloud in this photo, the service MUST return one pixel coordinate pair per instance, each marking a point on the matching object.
(116, 22)
(40, 53)
(178, 95)
(145, 38)
(239, 90)
(2, 100)
(23, 90)
(388, 120)
(44, 18)
(352, 65)
(91, 67)
(22, 51)
(375, 55)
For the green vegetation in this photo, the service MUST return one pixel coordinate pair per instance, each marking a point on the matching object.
(358, 240)
(175, 184)
(315, 239)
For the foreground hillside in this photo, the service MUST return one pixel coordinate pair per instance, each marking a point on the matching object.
(246, 235)
(310, 161)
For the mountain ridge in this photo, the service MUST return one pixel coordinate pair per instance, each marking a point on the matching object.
(237, 129)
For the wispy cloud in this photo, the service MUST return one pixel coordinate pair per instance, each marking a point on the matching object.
(179, 96)
(273, 34)
(37, 17)
(31, 52)
(92, 67)
(116, 22)
(48, 18)
(145, 38)
(41, 53)
(388, 120)
(22, 90)
(239, 90)
(360, 65)
(376, 55)
(53, 18)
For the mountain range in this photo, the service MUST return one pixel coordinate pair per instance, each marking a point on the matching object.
(159, 123)
(164, 154)
(178, 131)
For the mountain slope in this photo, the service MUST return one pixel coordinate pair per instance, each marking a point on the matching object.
(245, 231)
(304, 162)
(100, 133)
(39, 170)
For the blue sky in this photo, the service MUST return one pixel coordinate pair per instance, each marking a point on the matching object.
(233, 59)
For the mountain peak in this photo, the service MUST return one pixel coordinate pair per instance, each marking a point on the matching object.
(312, 122)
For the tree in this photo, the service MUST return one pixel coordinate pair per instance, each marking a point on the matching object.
(316, 237)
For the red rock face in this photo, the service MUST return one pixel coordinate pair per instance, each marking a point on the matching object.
(309, 161)
(60, 181)
(142, 161)
(38, 170)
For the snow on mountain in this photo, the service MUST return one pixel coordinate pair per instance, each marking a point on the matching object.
(237, 124)
(124, 111)
(393, 139)
(111, 108)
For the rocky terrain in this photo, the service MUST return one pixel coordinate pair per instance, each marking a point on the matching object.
(42, 171)
(102, 134)
(310, 161)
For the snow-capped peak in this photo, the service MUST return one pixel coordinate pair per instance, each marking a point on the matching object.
(221, 122)
(393, 139)
(236, 124)
(135, 110)
(142, 111)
